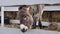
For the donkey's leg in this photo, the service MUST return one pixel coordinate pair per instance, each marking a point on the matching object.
(40, 14)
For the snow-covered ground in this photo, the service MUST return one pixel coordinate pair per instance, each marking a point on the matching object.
(4, 30)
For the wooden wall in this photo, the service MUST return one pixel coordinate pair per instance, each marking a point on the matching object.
(11, 14)
(51, 16)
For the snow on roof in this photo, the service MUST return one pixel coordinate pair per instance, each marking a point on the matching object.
(27, 2)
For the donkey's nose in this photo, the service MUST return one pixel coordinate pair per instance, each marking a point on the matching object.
(24, 30)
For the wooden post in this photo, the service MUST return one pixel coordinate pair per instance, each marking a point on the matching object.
(2, 16)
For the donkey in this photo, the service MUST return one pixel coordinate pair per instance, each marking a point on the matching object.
(26, 19)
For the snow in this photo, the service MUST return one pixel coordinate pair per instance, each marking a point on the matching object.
(4, 30)
(27, 2)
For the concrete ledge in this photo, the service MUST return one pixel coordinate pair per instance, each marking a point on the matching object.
(15, 21)
(45, 23)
